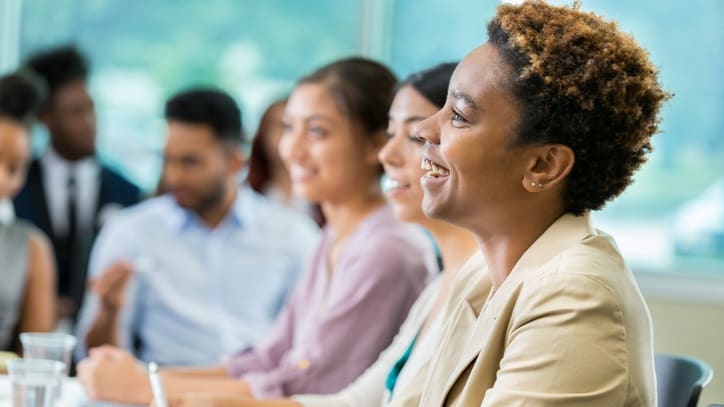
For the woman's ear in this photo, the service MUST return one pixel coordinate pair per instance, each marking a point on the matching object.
(376, 142)
(548, 166)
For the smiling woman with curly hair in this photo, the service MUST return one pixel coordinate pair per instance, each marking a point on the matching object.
(545, 122)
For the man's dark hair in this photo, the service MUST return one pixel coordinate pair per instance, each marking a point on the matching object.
(211, 107)
(59, 66)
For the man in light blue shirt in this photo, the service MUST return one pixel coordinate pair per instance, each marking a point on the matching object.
(201, 272)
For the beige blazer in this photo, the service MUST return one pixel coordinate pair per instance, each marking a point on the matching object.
(568, 327)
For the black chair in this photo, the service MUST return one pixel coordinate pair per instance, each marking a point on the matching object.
(680, 379)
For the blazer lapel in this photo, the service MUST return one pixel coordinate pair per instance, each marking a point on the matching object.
(481, 325)
(448, 363)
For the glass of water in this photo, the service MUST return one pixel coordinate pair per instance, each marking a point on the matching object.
(49, 346)
(35, 382)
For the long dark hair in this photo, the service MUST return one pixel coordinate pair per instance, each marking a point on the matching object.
(260, 170)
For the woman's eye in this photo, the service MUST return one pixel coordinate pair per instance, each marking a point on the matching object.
(457, 119)
(317, 131)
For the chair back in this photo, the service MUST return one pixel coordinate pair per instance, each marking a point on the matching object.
(680, 379)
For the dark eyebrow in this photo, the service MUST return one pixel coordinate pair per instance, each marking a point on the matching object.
(467, 99)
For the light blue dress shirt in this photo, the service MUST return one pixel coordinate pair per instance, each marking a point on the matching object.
(198, 294)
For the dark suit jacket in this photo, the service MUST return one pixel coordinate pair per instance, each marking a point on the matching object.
(31, 204)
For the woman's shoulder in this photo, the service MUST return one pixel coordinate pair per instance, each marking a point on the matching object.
(383, 231)
(22, 231)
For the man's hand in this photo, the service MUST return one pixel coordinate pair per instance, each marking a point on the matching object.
(112, 374)
(111, 285)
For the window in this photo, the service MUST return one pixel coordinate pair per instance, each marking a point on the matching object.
(142, 52)
(671, 220)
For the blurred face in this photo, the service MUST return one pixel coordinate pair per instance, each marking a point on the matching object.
(14, 157)
(473, 169)
(273, 131)
(327, 156)
(197, 168)
(71, 120)
(402, 154)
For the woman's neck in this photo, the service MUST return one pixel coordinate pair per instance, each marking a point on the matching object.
(456, 245)
(344, 217)
(504, 243)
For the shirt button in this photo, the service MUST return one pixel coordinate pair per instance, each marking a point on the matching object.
(303, 364)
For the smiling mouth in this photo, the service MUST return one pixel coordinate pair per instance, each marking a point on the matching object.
(299, 173)
(434, 170)
(389, 184)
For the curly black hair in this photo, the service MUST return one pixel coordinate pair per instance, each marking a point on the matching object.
(582, 83)
(59, 66)
(21, 94)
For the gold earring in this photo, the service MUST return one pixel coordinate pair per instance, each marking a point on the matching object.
(532, 183)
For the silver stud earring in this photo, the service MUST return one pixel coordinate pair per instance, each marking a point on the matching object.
(540, 185)
(532, 183)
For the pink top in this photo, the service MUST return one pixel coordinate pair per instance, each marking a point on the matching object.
(333, 327)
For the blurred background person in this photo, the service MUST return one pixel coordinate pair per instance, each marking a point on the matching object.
(203, 270)
(418, 97)
(27, 292)
(267, 173)
(367, 271)
(69, 193)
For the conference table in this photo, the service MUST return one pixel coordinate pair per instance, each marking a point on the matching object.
(72, 395)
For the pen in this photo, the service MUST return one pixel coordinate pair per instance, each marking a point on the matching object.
(159, 397)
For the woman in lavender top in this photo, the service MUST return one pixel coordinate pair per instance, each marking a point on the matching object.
(395, 371)
(366, 274)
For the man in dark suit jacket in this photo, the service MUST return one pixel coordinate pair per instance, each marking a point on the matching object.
(69, 193)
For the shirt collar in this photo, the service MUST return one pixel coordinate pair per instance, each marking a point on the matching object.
(181, 218)
(60, 166)
(7, 214)
(51, 156)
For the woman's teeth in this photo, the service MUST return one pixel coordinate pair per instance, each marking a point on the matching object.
(434, 170)
(389, 184)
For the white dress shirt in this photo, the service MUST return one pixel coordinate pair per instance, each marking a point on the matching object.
(198, 294)
(56, 171)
